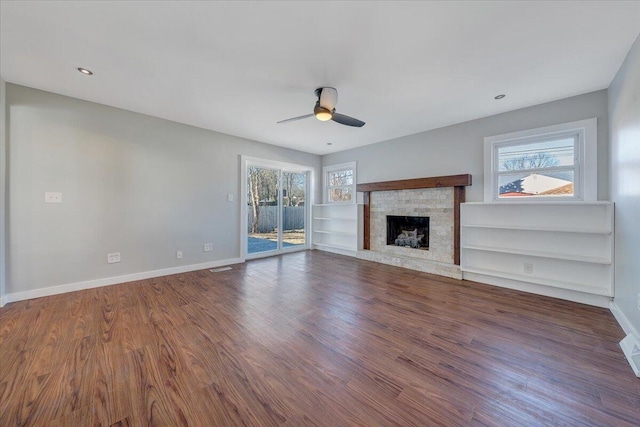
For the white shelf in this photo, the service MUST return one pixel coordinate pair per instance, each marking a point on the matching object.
(580, 287)
(541, 254)
(337, 233)
(570, 245)
(539, 203)
(337, 204)
(335, 226)
(334, 246)
(531, 228)
(333, 219)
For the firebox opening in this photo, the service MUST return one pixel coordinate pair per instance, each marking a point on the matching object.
(408, 231)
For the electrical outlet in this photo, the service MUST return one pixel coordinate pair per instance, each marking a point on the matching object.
(52, 197)
(179, 254)
(528, 268)
(208, 247)
(113, 258)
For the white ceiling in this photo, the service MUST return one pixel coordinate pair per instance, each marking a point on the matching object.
(239, 67)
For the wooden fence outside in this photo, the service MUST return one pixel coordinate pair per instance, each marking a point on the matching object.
(293, 218)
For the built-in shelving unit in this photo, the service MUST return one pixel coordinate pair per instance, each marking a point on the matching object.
(561, 245)
(335, 227)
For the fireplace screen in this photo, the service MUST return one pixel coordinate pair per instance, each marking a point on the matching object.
(408, 231)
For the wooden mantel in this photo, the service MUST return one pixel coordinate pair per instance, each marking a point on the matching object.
(458, 182)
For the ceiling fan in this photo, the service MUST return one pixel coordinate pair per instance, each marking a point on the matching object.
(325, 109)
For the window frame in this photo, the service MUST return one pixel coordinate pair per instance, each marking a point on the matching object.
(326, 189)
(584, 168)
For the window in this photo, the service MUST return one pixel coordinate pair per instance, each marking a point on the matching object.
(552, 163)
(340, 183)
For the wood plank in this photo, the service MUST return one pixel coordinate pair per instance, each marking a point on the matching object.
(366, 221)
(412, 184)
(288, 341)
(458, 197)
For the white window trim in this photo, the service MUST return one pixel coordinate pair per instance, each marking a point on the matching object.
(333, 168)
(586, 170)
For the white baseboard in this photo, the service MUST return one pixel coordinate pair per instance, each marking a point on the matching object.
(631, 342)
(631, 349)
(78, 286)
(624, 322)
(2, 301)
(534, 288)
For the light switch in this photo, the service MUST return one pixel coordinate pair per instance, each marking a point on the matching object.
(52, 197)
(229, 197)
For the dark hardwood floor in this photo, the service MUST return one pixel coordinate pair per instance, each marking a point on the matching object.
(309, 339)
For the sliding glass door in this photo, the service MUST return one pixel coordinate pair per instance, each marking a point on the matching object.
(264, 209)
(277, 208)
(294, 209)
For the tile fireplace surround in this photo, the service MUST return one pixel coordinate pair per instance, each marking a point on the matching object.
(438, 198)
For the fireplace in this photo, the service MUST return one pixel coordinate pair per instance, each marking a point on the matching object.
(438, 198)
(408, 231)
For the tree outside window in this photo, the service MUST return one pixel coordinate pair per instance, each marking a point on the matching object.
(340, 183)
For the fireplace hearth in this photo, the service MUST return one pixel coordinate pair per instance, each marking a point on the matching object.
(408, 231)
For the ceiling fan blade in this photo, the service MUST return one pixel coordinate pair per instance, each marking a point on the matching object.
(328, 98)
(346, 120)
(293, 119)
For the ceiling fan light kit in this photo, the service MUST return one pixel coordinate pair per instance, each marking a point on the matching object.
(322, 114)
(325, 109)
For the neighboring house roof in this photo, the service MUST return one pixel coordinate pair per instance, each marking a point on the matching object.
(515, 194)
(536, 184)
(565, 189)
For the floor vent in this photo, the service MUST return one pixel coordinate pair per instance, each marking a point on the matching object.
(218, 270)
(631, 349)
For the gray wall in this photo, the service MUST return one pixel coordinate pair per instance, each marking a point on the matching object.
(134, 184)
(3, 181)
(624, 116)
(458, 149)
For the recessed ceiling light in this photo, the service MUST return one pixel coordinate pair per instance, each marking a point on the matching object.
(85, 71)
(499, 96)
